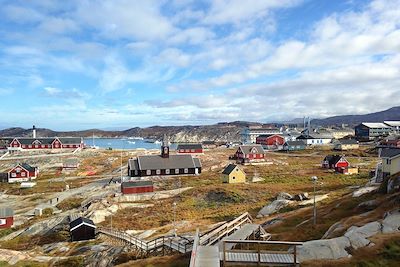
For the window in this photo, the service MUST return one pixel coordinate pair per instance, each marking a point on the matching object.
(176, 171)
(148, 172)
(18, 170)
(36, 146)
(13, 175)
(30, 146)
(192, 150)
(167, 171)
(233, 177)
(158, 172)
(22, 174)
(187, 150)
(186, 170)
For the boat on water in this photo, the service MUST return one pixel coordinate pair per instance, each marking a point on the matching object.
(157, 142)
(132, 142)
(136, 138)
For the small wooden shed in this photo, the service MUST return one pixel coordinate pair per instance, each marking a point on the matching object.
(82, 229)
(137, 187)
(233, 174)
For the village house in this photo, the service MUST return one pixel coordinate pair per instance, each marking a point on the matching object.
(294, 145)
(346, 144)
(395, 125)
(71, 164)
(42, 143)
(232, 174)
(6, 217)
(315, 139)
(22, 172)
(335, 162)
(390, 161)
(273, 141)
(391, 141)
(137, 187)
(249, 134)
(249, 153)
(82, 229)
(209, 144)
(189, 149)
(367, 131)
(164, 164)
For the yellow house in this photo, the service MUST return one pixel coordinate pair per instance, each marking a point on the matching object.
(232, 174)
(390, 161)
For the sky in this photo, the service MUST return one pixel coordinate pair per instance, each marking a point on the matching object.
(81, 64)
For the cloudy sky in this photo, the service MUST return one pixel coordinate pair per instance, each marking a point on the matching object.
(83, 64)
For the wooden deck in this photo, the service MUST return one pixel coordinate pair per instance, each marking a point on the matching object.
(258, 256)
(266, 258)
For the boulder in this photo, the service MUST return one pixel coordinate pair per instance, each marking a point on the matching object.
(368, 205)
(364, 190)
(336, 227)
(334, 248)
(391, 222)
(358, 235)
(284, 195)
(273, 207)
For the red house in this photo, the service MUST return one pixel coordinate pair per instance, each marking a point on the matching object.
(137, 187)
(22, 173)
(42, 143)
(270, 140)
(249, 153)
(189, 149)
(6, 217)
(335, 162)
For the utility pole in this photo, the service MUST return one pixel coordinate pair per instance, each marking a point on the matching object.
(174, 209)
(314, 179)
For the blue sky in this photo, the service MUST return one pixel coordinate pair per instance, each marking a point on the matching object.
(82, 64)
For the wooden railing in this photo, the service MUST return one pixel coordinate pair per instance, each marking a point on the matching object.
(290, 259)
(215, 235)
(183, 245)
(194, 249)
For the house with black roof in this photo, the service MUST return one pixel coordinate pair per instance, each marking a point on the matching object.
(82, 229)
(22, 172)
(294, 145)
(189, 149)
(233, 174)
(164, 164)
(335, 162)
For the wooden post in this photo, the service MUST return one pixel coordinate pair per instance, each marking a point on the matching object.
(224, 251)
(259, 254)
(295, 255)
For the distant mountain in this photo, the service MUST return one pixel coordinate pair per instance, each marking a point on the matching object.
(386, 115)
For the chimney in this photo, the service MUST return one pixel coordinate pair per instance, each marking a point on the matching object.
(34, 131)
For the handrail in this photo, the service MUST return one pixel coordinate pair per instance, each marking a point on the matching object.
(194, 249)
(259, 251)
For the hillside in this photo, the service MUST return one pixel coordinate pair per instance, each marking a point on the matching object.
(389, 114)
(219, 132)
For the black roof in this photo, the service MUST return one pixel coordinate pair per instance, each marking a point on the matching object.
(295, 143)
(80, 221)
(27, 167)
(333, 159)
(6, 212)
(348, 141)
(136, 183)
(189, 146)
(389, 152)
(228, 169)
(208, 142)
(156, 162)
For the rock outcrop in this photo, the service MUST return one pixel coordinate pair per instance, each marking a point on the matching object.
(354, 238)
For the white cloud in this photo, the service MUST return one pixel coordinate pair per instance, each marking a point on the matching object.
(126, 19)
